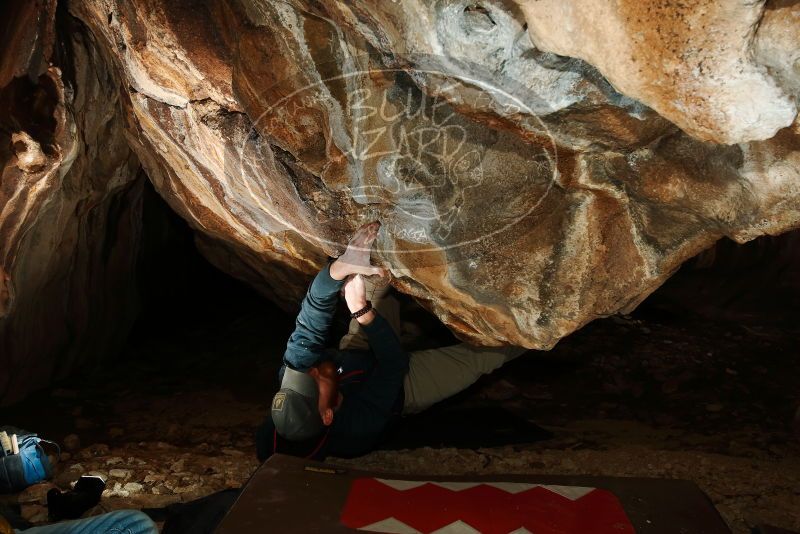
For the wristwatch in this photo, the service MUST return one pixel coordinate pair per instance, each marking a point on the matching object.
(362, 311)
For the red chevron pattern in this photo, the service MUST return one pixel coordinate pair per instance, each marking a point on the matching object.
(429, 507)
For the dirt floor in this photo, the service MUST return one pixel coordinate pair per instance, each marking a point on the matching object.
(661, 393)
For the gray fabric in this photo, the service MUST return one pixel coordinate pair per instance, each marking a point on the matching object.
(295, 410)
(436, 374)
(300, 382)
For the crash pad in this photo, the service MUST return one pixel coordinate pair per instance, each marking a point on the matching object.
(292, 495)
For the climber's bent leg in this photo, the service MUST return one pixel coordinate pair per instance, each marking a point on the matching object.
(437, 374)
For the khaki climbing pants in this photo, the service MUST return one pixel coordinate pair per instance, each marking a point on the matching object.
(433, 374)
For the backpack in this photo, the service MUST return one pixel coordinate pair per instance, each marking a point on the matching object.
(31, 465)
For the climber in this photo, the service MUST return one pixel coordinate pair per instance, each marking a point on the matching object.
(340, 403)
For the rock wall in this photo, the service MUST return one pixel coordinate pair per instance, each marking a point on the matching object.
(535, 164)
(69, 204)
(723, 71)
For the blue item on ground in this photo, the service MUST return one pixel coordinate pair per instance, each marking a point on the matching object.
(29, 466)
(117, 522)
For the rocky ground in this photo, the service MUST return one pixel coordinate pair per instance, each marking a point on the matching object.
(652, 394)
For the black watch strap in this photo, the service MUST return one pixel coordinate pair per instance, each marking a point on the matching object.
(362, 311)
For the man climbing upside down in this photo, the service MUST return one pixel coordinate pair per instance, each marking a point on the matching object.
(340, 403)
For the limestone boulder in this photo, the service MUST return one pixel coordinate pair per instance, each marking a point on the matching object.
(521, 193)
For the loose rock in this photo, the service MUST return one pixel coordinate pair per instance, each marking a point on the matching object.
(72, 442)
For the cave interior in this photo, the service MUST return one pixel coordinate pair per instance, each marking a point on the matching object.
(142, 331)
(704, 370)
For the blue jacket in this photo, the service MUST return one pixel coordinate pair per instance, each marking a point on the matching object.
(371, 382)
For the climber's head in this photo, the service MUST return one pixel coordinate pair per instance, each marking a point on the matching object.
(306, 401)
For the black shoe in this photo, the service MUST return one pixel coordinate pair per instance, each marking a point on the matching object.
(74, 503)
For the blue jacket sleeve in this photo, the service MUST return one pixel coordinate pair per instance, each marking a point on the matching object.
(307, 342)
(363, 417)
